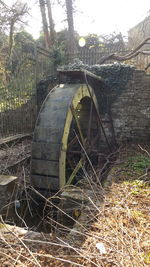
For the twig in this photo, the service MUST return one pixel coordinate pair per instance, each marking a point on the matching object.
(18, 256)
(24, 245)
(144, 150)
(11, 258)
(59, 259)
(25, 188)
(130, 55)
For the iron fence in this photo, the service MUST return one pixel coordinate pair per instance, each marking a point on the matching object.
(18, 92)
(18, 107)
(92, 56)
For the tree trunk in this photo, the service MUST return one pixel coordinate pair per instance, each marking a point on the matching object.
(69, 11)
(11, 42)
(45, 25)
(51, 23)
(11, 34)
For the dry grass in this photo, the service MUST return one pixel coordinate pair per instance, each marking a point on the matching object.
(10, 154)
(123, 227)
(121, 224)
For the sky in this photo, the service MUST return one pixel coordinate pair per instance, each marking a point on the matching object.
(92, 16)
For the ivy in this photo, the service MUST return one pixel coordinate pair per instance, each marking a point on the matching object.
(115, 78)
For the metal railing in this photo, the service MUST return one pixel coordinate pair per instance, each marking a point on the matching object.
(18, 107)
(92, 56)
(18, 94)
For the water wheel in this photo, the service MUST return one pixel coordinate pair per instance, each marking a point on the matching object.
(66, 127)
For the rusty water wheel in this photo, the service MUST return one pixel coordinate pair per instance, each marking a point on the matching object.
(66, 127)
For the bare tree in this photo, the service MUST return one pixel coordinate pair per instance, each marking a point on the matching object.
(17, 12)
(51, 23)
(10, 17)
(44, 22)
(135, 52)
(70, 21)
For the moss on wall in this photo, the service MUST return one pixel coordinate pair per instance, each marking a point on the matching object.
(115, 78)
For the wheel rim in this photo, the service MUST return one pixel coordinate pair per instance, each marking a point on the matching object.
(53, 172)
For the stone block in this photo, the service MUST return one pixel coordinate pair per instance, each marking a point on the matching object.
(8, 188)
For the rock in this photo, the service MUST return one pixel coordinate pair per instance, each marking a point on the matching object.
(74, 194)
(31, 235)
(8, 187)
(7, 231)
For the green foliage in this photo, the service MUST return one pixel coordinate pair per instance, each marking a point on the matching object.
(40, 41)
(139, 187)
(138, 163)
(22, 51)
(17, 90)
(112, 42)
(92, 40)
(17, 73)
(24, 42)
(147, 257)
(136, 183)
(115, 77)
(58, 50)
(61, 39)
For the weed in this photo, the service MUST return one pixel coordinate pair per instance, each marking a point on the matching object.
(147, 258)
(138, 163)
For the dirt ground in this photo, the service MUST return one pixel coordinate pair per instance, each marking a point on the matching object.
(115, 233)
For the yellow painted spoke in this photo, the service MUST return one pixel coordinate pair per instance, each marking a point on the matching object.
(76, 169)
(78, 125)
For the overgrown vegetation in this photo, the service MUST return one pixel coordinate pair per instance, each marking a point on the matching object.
(112, 232)
(139, 164)
(115, 78)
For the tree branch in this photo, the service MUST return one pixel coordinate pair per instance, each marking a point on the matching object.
(130, 55)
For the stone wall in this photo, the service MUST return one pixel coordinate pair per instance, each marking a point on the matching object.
(131, 110)
(123, 90)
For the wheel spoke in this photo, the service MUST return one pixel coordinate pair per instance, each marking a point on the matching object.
(72, 142)
(78, 125)
(76, 169)
(94, 140)
(70, 163)
(62, 134)
(75, 152)
(90, 122)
